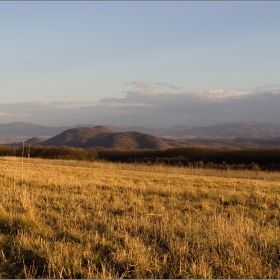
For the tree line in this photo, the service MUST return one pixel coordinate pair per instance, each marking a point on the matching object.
(197, 157)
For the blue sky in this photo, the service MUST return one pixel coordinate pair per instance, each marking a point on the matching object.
(139, 63)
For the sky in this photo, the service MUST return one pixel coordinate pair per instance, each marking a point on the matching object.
(127, 63)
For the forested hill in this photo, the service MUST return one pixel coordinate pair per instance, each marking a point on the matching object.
(101, 136)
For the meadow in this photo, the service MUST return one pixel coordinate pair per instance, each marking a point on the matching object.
(79, 219)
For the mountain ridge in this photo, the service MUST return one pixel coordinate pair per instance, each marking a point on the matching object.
(21, 131)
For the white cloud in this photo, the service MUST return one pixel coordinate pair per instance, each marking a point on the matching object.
(146, 88)
(140, 83)
(3, 114)
(177, 107)
(60, 104)
(170, 86)
(268, 89)
(221, 94)
(41, 102)
(145, 104)
(114, 103)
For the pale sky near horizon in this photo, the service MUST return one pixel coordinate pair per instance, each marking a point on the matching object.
(139, 63)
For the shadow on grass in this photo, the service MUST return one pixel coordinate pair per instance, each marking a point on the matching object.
(18, 262)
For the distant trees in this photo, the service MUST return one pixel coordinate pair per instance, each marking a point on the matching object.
(196, 157)
(50, 152)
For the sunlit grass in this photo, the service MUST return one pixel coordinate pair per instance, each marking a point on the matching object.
(70, 219)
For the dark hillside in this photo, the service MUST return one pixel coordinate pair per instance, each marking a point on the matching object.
(77, 137)
(34, 140)
(128, 140)
(101, 136)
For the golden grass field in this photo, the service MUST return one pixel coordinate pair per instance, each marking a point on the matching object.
(70, 219)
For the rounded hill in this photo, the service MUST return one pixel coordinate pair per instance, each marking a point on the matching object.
(76, 137)
(101, 136)
(129, 140)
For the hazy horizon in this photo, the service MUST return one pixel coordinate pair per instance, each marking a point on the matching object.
(139, 63)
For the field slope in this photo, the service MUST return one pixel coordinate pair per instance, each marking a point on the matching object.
(67, 219)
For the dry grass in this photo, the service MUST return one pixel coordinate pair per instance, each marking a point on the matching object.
(67, 219)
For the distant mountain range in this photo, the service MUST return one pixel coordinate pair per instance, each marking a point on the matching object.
(227, 130)
(29, 129)
(235, 143)
(228, 134)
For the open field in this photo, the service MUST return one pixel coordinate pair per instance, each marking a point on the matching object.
(70, 219)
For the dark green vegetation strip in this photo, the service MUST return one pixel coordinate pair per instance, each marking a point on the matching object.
(215, 158)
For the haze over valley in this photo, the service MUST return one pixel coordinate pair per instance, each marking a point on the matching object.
(236, 135)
